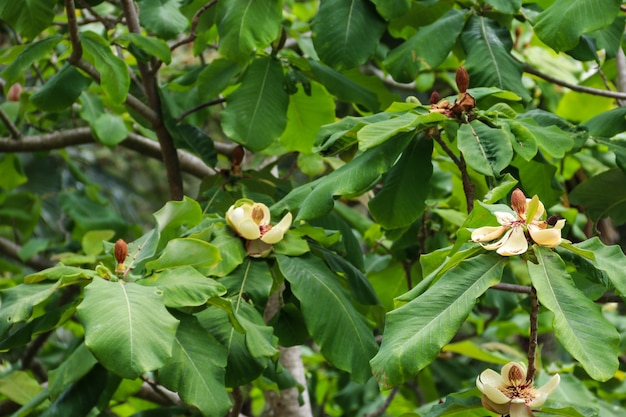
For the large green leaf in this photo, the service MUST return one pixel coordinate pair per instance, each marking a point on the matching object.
(186, 252)
(109, 129)
(114, 76)
(61, 90)
(184, 287)
(73, 368)
(489, 61)
(578, 322)
(402, 199)
(175, 217)
(343, 87)
(246, 25)
(346, 33)
(608, 259)
(305, 115)
(193, 138)
(215, 77)
(561, 25)
(349, 342)
(603, 195)
(607, 124)
(252, 279)
(415, 332)
(256, 113)
(28, 17)
(197, 368)
(551, 139)
(18, 303)
(317, 198)
(150, 45)
(420, 53)
(487, 150)
(31, 53)
(127, 326)
(162, 17)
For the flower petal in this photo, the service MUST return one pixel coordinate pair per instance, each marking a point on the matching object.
(504, 217)
(513, 373)
(545, 237)
(545, 391)
(487, 233)
(276, 233)
(515, 244)
(499, 243)
(501, 409)
(489, 377)
(520, 409)
(248, 229)
(486, 384)
(261, 208)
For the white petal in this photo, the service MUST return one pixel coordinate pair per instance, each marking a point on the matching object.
(520, 373)
(487, 233)
(545, 237)
(504, 217)
(520, 409)
(559, 224)
(499, 243)
(489, 377)
(248, 229)
(276, 233)
(516, 244)
(545, 391)
(495, 396)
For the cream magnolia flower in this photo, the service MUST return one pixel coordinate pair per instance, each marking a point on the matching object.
(251, 221)
(510, 393)
(512, 229)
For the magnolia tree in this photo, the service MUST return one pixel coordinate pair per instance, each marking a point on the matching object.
(360, 208)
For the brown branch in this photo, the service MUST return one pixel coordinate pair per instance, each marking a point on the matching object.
(79, 136)
(199, 107)
(532, 340)
(459, 161)
(13, 130)
(194, 24)
(574, 87)
(380, 411)
(168, 150)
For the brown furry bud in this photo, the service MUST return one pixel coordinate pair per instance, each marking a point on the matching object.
(462, 79)
(518, 201)
(14, 92)
(121, 251)
(434, 98)
(553, 219)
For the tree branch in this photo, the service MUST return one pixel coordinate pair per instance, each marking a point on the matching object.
(532, 340)
(13, 130)
(574, 87)
(468, 187)
(194, 24)
(80, 136)
(168, 150)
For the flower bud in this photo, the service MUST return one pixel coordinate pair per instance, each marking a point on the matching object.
(121, 251)
(462, 79)
(14, 92)
(518, 201)
(434, 97)
(553, 219)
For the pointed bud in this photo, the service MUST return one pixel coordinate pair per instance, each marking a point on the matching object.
(516, 375)
(121, 252)
(257, 214)
(462, 79)
(14, 92)
(434, 98)
(553, 219)
(518, 201)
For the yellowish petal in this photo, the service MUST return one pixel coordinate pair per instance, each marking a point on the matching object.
(261, 208)
(545, 237)
(248, 229)
(559, 224)
(516, 243)
(499, 243)
(520, 409)
(489, 377)
(545, 391)
(504, 217)
(487, 233)
(276, 233)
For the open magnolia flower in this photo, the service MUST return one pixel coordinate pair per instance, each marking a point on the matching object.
(510, 393)
(512, 230)
(251, 221)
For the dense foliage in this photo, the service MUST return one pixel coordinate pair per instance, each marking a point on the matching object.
(407, 192)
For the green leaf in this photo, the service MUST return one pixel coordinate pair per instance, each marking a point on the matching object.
(73, 368)
(420, 53)
(551, 139)
(345, 34)
(197, 368)
(19, 386)
(390, 9)
(186, 252)
(578, 322)
(603, 195)
(31, 53)
(306, 114)
(256, 113)
(402, 199)
(177, 216)
(343, 87)
(252, 279)
(60, 272)
(505, 6)
(109, 129)
(607, 124)
(582, 16)
(489, 61)
(151, 45)
(323, 300)
(246, 25)
(415, 332)
(215, 77)
(28, 17)
(608, 259)
(184, 287)
(486, 150)
(18, 303)
(523, 140)
(12, 171)
(61, 90)
(317, 198)
(127, 327)
(194, 139)
(115, 80)
(162, 17)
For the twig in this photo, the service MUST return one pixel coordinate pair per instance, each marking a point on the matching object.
(194, 24)
(237, 402)
(574, 87)
(532, 341)
(523, 289)
(199, 107)
(385, 405)
(13, 130)
(468, 187)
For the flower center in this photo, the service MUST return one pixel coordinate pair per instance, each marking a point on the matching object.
(264, 228)
(524, 391)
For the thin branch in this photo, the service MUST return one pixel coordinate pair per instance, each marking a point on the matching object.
(168, 150)
(77, 47)
(523, 289)
(385, 405)
(12, 249)
(579, 88)
(13, 130)
(532, 342)
(199, 107)
(83, 135)
(194, 24)
(459, 161)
